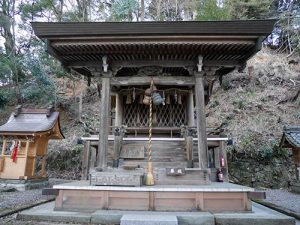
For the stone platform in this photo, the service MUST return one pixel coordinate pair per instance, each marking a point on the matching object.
(23, 185)
(217, 197)
(295, 187)
(259, 215)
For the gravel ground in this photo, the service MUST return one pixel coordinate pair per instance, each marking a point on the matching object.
(283, 198)
(16, 199)
(11, 220)
(12, 200)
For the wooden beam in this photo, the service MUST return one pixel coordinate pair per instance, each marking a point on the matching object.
(153, 39)
(142, 63)
(160, 63)
(146, 80)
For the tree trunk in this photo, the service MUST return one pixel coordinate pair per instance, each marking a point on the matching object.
(142, 10)
(158, 11)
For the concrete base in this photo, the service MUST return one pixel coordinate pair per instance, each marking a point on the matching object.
(23, 185)
(259, 216)
(295, 187)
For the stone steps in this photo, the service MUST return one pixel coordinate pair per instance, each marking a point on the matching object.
(148, 219)
(143, 164)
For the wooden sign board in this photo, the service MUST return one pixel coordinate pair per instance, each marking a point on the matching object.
(175, 171)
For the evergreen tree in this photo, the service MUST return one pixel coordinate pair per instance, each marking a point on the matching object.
(125, 10)
(250, 9)
(212, 10)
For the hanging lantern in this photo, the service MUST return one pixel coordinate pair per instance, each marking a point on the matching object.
(168, 100)
(179, 99)
(141, 99)
(146, 100)
(164, 98)
(157, 99)
(129, 99)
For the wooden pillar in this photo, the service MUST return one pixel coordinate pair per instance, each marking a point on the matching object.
(224, 155)
(189, 151)
(104, 117)
(201, 121)
(190, 106)
(4, 146)
(85, 161)
(26, 173)
(119, 110)
(117, 149)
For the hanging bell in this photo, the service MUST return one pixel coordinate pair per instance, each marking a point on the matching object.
(157, 99)
(168, 100)
(129, 99)
(179, 99)
(141, 99)
(148, 92)
(146, 100)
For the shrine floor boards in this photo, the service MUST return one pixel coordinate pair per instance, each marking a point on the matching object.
(260, 215)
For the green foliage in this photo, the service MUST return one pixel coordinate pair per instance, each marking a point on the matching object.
(210, 10)
(256, 146)
(5, 71)
(34, 9)
(240, 104)
(38, 87)
(250, 9)
(124, 10)
(5, 97)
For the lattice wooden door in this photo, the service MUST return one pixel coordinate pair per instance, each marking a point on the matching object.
(173, 115)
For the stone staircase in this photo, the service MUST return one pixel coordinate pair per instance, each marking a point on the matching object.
(168, 154)
(164, 154)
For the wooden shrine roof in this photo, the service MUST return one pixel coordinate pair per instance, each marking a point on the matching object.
(171, 45)
(84, 29)
(28, 121)
(291, 137)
